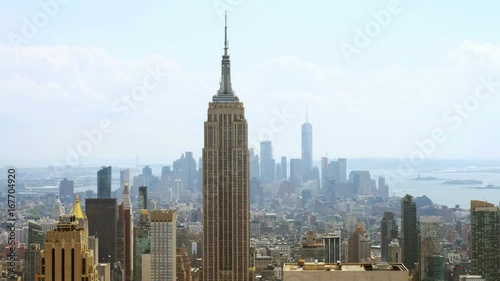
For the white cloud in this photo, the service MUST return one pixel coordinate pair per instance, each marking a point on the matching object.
(482, 55)
(67, 89)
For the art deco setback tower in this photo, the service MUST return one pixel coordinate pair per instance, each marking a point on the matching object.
(226, 215)
(66, 255)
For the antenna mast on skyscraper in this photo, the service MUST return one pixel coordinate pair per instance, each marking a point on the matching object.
(306, 115)
(225, 34)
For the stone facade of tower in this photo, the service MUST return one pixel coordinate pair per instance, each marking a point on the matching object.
(226, 214)
(66, 255)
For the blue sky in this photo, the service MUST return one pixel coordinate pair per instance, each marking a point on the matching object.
(129, 29)
(285, 54)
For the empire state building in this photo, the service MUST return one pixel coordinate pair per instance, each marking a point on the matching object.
(226, 212)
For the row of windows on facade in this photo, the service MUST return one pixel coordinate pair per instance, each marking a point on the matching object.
(226, 117)
(63, 261)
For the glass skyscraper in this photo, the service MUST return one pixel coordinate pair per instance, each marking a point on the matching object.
(104, 182)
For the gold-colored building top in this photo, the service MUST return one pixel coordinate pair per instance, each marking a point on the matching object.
(77, 209)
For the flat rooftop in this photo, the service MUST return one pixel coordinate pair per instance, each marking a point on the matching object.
(321, 266)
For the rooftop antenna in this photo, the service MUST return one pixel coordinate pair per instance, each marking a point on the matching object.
(225, 34)
(306, 115)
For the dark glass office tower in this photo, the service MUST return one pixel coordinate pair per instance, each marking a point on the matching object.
(409, 232)
(143, 194)
(389, 231)
(66, 189)
(102, 215)
(104, 182)
(485, 233)
(35, 234)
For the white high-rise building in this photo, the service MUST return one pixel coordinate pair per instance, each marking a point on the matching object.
(333, 247)
(163, 245)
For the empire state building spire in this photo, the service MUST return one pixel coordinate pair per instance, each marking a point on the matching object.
(225, 93)
(225, 36)
(225, 181)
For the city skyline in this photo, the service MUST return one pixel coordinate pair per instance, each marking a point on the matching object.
(398, 94)
(368, 86)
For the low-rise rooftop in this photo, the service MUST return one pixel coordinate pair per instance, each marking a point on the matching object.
(321, 266)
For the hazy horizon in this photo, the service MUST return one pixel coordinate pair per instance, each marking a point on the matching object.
(424, 85)
(352, 163)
